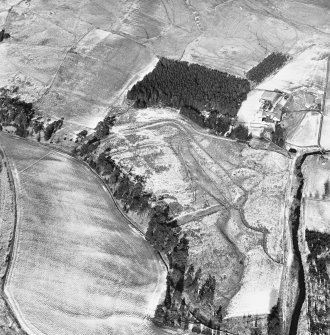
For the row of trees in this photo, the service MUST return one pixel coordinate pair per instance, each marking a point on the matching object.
(163, 233)
(127, 188)
(166, 237)
(52, 128)
(267, 66)
(217, 122)
(178, 84)
(278, 136)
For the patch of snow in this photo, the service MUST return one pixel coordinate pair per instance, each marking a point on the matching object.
(155, 114)
(91, 40)
(316, 214)
(171, 180)
(307, 69)
(260, 286)
(307, 132)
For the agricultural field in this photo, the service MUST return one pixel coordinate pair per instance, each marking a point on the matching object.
(228, 200)
(316, 171)
(306, 134)
(307, 69)
(77, 265)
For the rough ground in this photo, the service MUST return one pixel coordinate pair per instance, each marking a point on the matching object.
(228, 199)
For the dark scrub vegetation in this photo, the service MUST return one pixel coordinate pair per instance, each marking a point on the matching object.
(22, 116)
(274, 322)
(267, 66)
(319, 284)
(16, 113)
(52, 128)
(3, 35)
(278, 136)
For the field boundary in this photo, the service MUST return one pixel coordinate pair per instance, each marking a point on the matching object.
(7, 274)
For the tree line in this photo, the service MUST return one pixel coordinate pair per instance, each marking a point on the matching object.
(163, 233)
(177, 84)
(267, 66)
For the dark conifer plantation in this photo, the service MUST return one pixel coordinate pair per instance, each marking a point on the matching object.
(267, 66)
(192, 88)
(178, 84)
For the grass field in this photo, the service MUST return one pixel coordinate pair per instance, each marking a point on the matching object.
(306, 134)
(78, 266)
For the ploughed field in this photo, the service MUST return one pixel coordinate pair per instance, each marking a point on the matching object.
(78, 267)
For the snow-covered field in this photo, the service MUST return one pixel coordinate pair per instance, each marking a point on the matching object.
(307, 69)
(78, 266)
(260, 286)
(316, 214)
(316, 204)
(325, 138)
(249, 111)
(307, 133)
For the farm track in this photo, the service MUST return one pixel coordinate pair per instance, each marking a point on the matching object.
(7, 178)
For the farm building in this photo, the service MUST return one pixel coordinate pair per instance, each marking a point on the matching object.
(270, 96)
(273, 115)
(272, 104)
